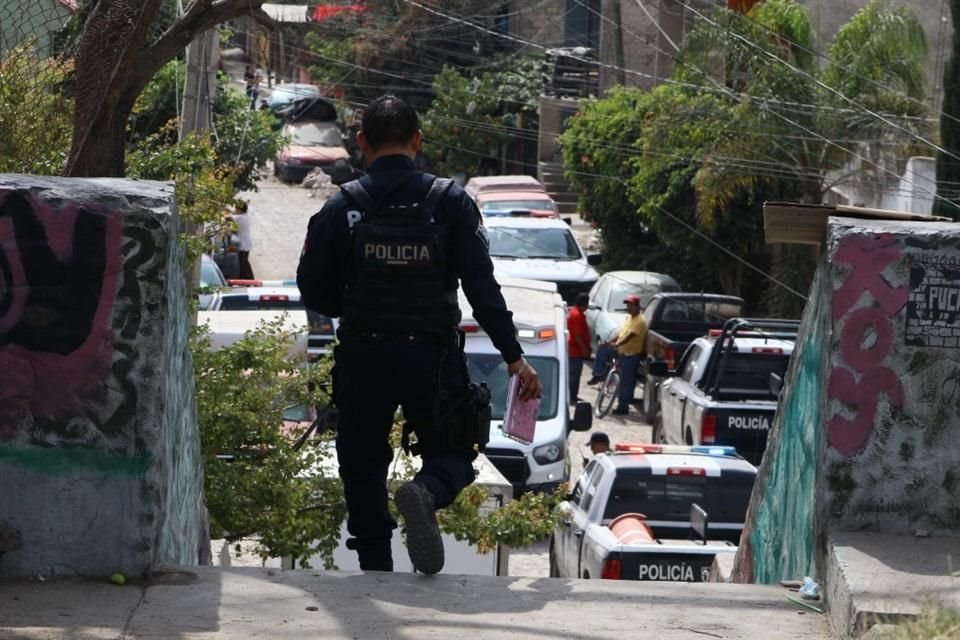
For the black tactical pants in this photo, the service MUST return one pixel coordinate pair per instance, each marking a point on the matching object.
(373, 375)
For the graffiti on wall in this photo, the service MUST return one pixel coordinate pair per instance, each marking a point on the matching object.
(860, 378)
(933, 309)
(58, 283)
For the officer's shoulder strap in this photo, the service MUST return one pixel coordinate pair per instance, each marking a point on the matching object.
(359, 195)
(438, 190)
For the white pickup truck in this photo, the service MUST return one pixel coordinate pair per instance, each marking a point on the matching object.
(540, 316)
(652, 512)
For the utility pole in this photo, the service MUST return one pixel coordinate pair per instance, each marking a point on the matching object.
(200, 86)
(619, 60)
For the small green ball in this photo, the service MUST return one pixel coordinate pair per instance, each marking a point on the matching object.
(118, 578)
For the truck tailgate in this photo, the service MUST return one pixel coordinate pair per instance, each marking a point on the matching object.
(744, 427)
(678, 565)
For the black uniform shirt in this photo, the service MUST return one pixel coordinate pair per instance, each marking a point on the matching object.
(327, 250)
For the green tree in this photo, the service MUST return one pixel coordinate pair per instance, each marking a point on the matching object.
(37, 113)
(138, 37)
(471, 116)
(751, 118)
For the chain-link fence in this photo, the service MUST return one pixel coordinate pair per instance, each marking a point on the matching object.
(37, 44)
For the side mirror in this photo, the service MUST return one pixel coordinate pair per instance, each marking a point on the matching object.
(594, 307)
(594, 259)
(582, 417)
(658, 369)
(775, 384)
(568, 220)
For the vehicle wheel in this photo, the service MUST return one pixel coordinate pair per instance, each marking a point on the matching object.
(607, 394)
(658, 436)
(650, 404)
(554, 569)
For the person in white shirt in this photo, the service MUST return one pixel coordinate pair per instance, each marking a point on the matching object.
(242, 218)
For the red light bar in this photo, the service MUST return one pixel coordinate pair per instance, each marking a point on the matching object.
(639, 448)
(777, 351)
(713, 333)
(245, 283)
(470, 328)
(274, 298)
(686, 471)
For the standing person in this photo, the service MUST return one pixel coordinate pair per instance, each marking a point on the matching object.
(599, 443)
(254, 90)
(248, 81)
(245, 239)
(578, 342)
(384, 255)
(630, 345)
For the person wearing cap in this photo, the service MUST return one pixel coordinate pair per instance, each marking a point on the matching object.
(630, 344)
(578, 343)
(599, 443)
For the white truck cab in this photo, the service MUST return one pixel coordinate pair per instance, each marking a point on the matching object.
(540, 316)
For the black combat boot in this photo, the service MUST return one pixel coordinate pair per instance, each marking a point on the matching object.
(424, 544)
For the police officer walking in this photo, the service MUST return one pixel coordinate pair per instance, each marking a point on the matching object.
(385, 255)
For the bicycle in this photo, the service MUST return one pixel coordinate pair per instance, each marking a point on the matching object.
(609, 389)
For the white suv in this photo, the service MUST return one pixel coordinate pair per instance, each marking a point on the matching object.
(541, 249)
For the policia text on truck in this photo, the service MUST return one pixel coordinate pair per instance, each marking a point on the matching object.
(384, 255)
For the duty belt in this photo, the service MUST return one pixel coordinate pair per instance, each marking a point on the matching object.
(451, 335)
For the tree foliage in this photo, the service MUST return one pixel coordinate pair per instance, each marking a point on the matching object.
(37, 112)
(256, 482)
(473, 114)
(748, 117)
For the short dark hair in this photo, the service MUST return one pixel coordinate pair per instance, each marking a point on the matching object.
(582, 299)
(389, 120)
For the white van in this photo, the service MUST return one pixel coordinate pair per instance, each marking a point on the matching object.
(540, 316)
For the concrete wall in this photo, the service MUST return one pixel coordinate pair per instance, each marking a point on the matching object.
(539, 22)
(99, 450)
(866, 436)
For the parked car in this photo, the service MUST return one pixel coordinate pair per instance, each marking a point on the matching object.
(485, 184)
(313, 144)
(674, 320)
(287, 93)
(506, 203)
(277, 295)
(211, 279)
(607, 311)
(632, 512)
(541, 249)
(721, 393)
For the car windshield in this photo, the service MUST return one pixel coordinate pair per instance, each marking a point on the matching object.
(491, 369)
(552, 243)
(210, 275)
(747, 375)
(699, 311)
(622, 289)
(313, 134)
(725, 499)
(298, 413)
(283, 95)
(504, 207)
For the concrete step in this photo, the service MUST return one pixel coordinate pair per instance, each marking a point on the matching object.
(214, 603)
(875, 579)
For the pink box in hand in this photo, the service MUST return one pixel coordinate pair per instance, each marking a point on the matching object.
(520, 416)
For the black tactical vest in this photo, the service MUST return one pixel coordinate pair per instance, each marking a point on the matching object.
(399, 279)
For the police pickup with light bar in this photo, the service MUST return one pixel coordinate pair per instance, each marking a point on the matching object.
(262, 295)
(721, 391)
(540, 317)
(652, 512)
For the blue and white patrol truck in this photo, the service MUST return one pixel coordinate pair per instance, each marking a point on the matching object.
(653, 512)
(539, 314)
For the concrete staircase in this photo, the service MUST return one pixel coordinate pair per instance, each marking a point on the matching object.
(551, 175)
